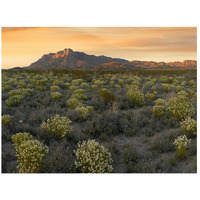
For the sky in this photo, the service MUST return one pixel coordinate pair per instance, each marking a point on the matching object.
(22, 46)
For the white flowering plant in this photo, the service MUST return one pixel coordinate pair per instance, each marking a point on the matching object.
(58, 125)
(180, 108)
(189, 126)
(29, 152)
(93, 158)
(181, 144)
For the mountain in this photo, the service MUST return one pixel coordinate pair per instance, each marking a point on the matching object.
(69, 59)
(72, 60)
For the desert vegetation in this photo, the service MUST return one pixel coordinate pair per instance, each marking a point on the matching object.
(62, 121)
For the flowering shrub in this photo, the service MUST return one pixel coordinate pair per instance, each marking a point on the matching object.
(160, 102)
(54, 88)
(73, 103)
(58, 125)
(189, 126)
(56, 95)
(84, 85)
(94, 87)
(166, 87)
(93, 158)
(180, 108)
(79, 91)
(158, 110)
(181, 144)
(14, 100)
(117, 87)
(151, 96)
(84, 111)
(136, 97)
(179, 88)
(29, 152)
(72, 87)
(6, 120)
(78, 96)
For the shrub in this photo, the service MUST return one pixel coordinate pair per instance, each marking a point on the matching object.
(56, 95)
(14, 100)
(72, 87)
(160, 102)
(192, 83)
(79, 91)
(84, 111)
(29, 152)
(180, 108)
(77, 81)
(181, 144)
(94, 87)
(153, 88)
(54, 88)
(179, 88)
(93, 158)
(84, 85)
(6, 120)
(166, 87)
(106, 94)
(67, 85)
(136, 97)
(58, 125)
(158, 110)
(182, 94)
(189, 126)
(79, 96)
(73, 103)
(151, 96)
(117, 87)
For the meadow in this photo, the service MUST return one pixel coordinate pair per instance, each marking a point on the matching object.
(62, 121)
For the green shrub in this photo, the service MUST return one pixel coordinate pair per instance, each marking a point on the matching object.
(179, 88)
(67, 85)
(181, 144)
(153, 88)
(93, 158)
(117, 87)
(79, 91)
(56, 95)
(158, 110)
(6, 120)
(192, 83)
(78, 96)
(58, 125)
(106, 94)
(94, 87)
(84, 85)
(136, 97)
(180, 108)
(72, 87)
(160, 102)
(29, 152)
(189, 126)
(73, 103)
(166, 87)
(54, 88)
(84, 111)
(151, 96)
(14, 100)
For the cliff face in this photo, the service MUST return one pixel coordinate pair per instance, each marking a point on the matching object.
(69, 59)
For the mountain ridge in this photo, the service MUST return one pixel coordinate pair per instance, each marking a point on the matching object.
(69, 59)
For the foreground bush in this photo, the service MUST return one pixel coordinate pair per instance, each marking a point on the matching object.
(106, 94)
(29, 152)
(189, 126)
(58, 125)
(181, 144)
(93, 158)
(180, 108)
(6, 120)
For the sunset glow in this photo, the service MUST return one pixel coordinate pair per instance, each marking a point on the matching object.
(22, 46)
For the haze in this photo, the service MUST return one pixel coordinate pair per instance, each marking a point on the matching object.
(22, 46)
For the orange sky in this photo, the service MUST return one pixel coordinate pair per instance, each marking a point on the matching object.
(22, 46)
